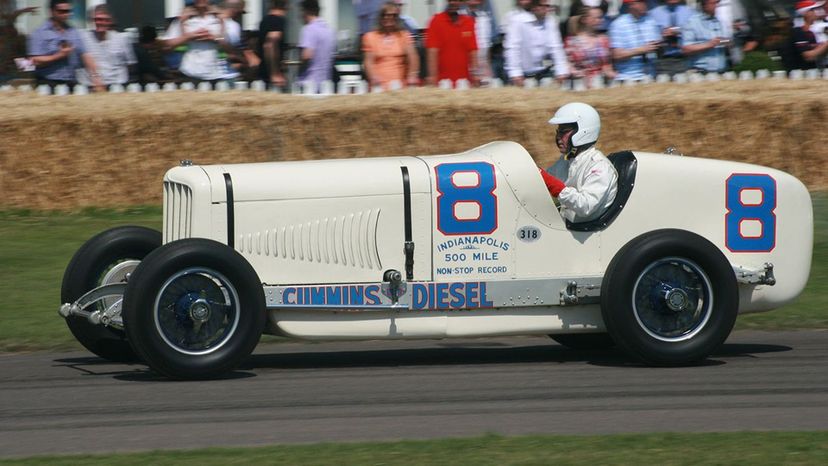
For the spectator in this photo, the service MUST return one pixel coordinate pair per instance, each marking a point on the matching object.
(149, 53)
(634, 40)
(413, 27)
(272, 46)
(533, 46)
(111, 50)
(318, 44)
(703, 40)
(497, 52)
(804, 50)
(240, 57)
(588, 51)
(173, 55)
(201, 29)
(389, 51)
(671, 18)
(729, 13)
(584, 181)
(483, 33)
(451, 46)
(366, 11)
(57, 50)
(409, 23)
(579, 7)
(12, 44)
(521, 8)
(819, 27)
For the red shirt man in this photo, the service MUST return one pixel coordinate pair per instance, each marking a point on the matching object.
(451, 45)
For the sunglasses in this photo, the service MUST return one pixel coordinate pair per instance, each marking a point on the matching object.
(390, 15)
(563, 129)
(63, 10)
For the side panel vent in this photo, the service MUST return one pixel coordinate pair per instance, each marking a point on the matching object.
(346, 240)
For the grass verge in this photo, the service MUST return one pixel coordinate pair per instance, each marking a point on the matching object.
(811, 309)
(36, 246)
(753, 448)
(34, 252)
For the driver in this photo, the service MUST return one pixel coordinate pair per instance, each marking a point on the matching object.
(584, 181)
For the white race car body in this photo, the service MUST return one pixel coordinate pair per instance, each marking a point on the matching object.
(491, 254)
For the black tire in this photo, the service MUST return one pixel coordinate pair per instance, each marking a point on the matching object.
(669, 298)
(88, 269)
(194, 309)
(585, 341)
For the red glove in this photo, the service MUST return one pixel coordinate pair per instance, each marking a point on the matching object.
(554, 185)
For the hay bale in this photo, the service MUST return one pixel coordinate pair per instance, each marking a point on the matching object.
(112, 150)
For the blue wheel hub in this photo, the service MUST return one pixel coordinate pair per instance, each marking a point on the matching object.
(672, 299)
(196, 311)
(183, 306)
(669, 298)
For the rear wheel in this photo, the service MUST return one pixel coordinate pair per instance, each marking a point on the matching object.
(108, 257)
(669, 297)
(194, 309)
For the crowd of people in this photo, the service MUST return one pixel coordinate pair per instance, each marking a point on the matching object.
(206, 43)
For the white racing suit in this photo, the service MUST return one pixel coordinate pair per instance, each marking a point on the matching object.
(591, 185)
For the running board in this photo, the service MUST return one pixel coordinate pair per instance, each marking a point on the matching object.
(427, 296)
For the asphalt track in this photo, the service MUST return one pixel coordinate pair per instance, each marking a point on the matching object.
(295, 392)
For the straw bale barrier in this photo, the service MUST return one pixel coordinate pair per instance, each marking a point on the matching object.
(112, 150)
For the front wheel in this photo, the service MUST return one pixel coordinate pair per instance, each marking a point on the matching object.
(669, 297)
(193, 309)
(108, 257)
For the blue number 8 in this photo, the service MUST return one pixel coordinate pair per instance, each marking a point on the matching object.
(737, 212)
(481, 194)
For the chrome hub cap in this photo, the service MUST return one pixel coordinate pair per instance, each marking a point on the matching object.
(677, 300)
(200, 310)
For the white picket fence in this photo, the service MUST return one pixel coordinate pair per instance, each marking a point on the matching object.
(356, 86)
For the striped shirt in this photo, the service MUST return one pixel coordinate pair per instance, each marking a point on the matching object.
(626, 33)
(701, 28)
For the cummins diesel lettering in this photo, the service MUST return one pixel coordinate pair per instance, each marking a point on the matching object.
(343, 295)
(449, 296)
(420, 296)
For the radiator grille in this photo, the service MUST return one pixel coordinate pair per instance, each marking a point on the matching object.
(178, 211)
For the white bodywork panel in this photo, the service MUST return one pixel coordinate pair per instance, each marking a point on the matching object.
(437, 324)
(689, 194)
(323, 222)
(483, 216)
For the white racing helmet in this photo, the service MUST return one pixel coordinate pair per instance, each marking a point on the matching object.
(587, 119)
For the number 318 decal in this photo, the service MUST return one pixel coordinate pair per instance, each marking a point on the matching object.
(750, 224)
(466, 203)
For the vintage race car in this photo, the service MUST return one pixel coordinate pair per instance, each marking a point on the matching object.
(463, 245)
